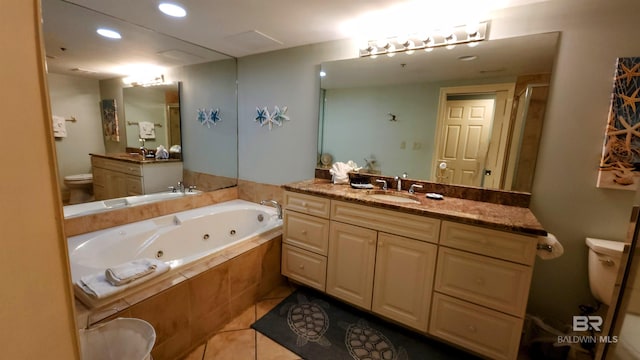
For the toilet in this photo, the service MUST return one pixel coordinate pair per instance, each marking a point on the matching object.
(604, 262)
(80, 188)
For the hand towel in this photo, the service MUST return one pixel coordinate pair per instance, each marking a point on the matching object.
(98, 287)
(147, 130)
(340, 171)
(128, 272)
(556, 248)
(59, 126)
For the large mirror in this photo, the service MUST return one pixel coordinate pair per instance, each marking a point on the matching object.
(158, 105)
(467, 115)
(84, 69)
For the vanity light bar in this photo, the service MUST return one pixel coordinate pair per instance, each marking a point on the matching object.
(459, 35)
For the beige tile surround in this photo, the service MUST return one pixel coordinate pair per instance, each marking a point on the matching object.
(189, 306)
(84, 224)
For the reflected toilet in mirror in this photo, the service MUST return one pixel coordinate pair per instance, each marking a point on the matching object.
(80, 188)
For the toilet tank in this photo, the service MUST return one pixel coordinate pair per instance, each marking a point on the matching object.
(604, 262)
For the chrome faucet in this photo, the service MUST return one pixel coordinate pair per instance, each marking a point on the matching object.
(143, 150)
(275, 204)
(398, 180)
(384, 183)
(413, 187)
(398, 183)
(180, 186)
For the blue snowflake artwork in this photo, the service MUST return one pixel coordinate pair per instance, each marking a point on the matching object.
(263, 116)
(210, 117)
(202, 116)
(278, 116)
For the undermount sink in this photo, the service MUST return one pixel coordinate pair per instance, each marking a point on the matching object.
(393, 197)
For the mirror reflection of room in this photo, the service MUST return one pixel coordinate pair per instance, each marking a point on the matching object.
(122, 132)
(412, 119)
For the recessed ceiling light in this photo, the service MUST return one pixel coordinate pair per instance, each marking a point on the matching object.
(172, 9)
(111, 34)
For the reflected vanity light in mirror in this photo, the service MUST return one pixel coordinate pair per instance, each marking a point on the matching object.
(358, 94)
(410, 43)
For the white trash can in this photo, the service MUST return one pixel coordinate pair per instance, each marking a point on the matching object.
(122, 338)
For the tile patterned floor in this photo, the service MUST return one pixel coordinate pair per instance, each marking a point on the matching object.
(237, 341)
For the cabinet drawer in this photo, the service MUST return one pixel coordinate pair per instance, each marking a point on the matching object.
(494, 243)
(131, 169)
(307, 232)
(394, 222)
(308, 204)
(304, 266)
(116, 165)
(497, 284)
(487, 332)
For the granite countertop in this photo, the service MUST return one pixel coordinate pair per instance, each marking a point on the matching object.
(495, 216)
(133, 158)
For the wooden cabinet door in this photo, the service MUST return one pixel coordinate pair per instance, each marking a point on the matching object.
(403, 282)
(116, 184)
(350, 263)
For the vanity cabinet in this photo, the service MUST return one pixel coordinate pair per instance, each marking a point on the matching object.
(481, 288)
(113, 177)
(351, 262)
(305, 239)
(353, 242)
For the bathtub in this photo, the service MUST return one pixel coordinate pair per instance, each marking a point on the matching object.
(176, 239)
(118, 203)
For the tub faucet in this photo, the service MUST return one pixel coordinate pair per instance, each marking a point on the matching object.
(181, 186)
(275, 204)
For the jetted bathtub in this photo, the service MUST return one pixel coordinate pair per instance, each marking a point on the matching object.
(177, 239)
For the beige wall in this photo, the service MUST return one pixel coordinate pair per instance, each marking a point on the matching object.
(36, 316)
(565, 200)
(77, 97)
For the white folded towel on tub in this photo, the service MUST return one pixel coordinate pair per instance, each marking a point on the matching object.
(129, 274)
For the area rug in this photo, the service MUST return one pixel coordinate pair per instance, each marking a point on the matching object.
(317, 327)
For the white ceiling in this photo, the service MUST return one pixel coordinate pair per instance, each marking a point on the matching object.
(232, 27)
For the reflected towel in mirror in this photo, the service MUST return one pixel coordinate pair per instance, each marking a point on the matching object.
(59, 126)
(147, 130)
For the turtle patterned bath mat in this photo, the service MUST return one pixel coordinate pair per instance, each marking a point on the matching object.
(317, 327)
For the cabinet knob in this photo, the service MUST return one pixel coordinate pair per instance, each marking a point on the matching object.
(380, 243)
(301, 266)
(371, 241)
(304, 232)
(471, 328)
(304, 204)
